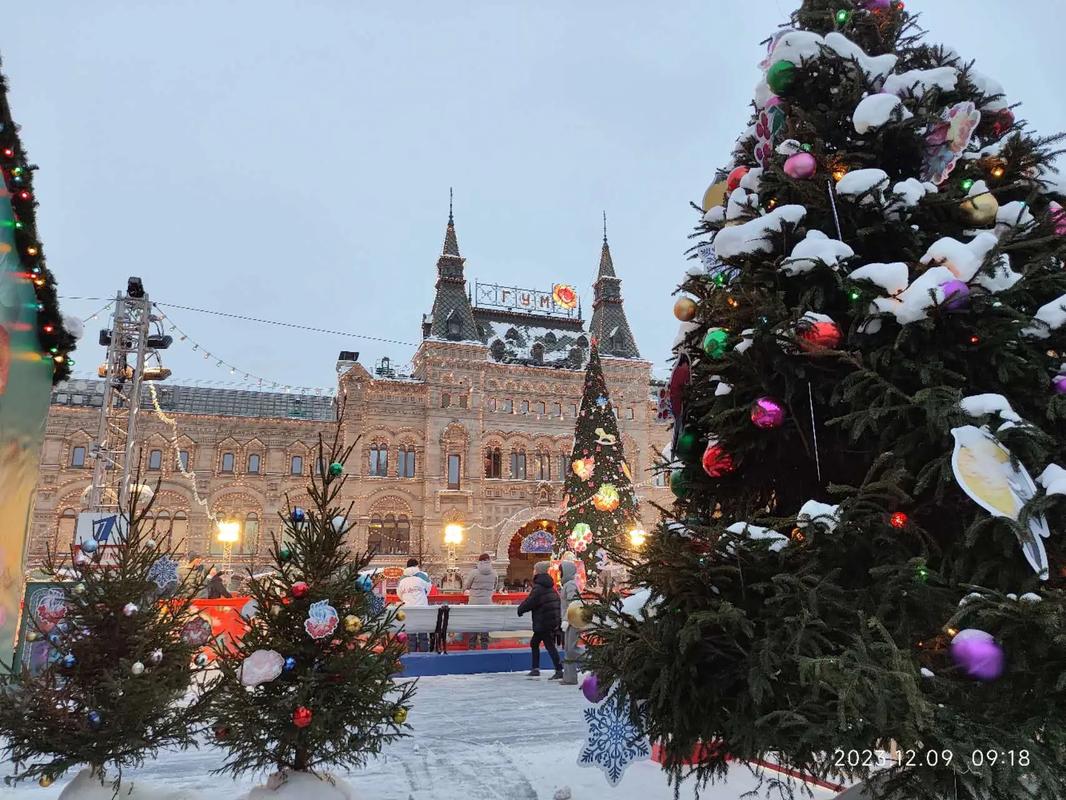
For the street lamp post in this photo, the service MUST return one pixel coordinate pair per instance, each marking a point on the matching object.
(229, 533)
(453, 537)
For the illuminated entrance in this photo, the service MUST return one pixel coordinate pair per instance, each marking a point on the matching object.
(531, 543)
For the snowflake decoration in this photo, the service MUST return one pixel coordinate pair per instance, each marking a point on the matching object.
(614, 742)
(601, 401)
(164, 572)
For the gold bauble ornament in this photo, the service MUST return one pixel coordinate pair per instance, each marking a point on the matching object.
(579, 615)
(714, 196)
(46, 781)
(400, 717)
(401, 615)
(685, 309)
(980, 209)
(32, 636)
(353, 624)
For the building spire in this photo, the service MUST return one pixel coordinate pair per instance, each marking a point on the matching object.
(609, 325)
(451, 243)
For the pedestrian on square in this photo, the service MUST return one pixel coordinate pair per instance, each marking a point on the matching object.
(543, 602)
(480, 584)
(569, 593)
(413, 590)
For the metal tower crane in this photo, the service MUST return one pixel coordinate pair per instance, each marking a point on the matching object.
(133, 343)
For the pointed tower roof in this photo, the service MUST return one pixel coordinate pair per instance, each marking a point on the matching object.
(452, 316)
(609, 324)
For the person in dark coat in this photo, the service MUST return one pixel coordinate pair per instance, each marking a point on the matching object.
(216, 587)
(543, 601)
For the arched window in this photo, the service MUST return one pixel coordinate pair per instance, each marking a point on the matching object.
(557, 409)
(373, 539)
(405, 461)
(296, 465)
(498, 350)
(183, 459)
(77, 456)
(538, 408)
(454, 326)
(388, 535)
(403, 535)
(518, 465)
(544, 466)
(538, 353)
(493, 463)
(162, 529)
(525, 406)
(254, 463)
(227, 464)
(379, 460)
(462, 401)
(491, 404)
(445, 400)
(179, 528)
(455, 463)
(660, 477)
(250, 534)
(155, 459)
(320, 466)
(65, 529)
(564, 467)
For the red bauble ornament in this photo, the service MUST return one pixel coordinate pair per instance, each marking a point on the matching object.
(299, 589)
(1002, 123)
(824, 335)
(898, 520)
(735, 177)
(716, 461)
(679, 379)
(301, 717)
(221, 731)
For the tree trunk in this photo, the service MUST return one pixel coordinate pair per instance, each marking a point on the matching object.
(300, 762)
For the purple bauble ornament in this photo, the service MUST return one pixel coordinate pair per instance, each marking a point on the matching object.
(956, 295)
(977, 654)
(877, 5)
(590, 687)
(1058, 383)
(767, 413)
(801, 166)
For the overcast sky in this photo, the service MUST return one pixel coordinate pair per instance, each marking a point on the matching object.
(292, 160)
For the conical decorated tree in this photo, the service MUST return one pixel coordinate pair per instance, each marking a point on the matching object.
(870, 379)
(599, 505)
(312, 684)
(125, 649)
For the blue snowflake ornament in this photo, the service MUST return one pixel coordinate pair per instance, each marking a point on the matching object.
(601, 401)
(614, 742)
(164, 573)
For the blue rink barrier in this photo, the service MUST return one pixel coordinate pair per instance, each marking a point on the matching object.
(467, 662)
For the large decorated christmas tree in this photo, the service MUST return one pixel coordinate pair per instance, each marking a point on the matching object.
(312, 684)
(865, 565)
(125, 647)
(599, 506)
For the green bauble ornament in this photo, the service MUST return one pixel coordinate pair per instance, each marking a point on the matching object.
(687, 444)
(336, 468)
(284, 552)
(714, 342)
(679, 483)
(781, 76)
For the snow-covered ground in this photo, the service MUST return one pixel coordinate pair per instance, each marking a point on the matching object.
(476, 737)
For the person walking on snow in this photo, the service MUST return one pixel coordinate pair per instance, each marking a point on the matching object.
(413, 590)
(543, 601)
(480, 585)
(569, 593)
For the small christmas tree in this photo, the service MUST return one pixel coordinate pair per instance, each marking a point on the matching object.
(126, 649)
(870, 400)
(312, 683)
(599, 506)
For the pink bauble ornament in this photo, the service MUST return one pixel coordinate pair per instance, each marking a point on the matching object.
(401, 637)
(978, 655)
(1058, 384)
(956, 295)
(716, 461)
(801, 166)
(877, 5)
(820, 336)
(767, 413)
(1058, 218)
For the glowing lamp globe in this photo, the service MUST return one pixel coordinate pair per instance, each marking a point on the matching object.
(228, 532)
(766, 413)
(637, 537)
(453, 534)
